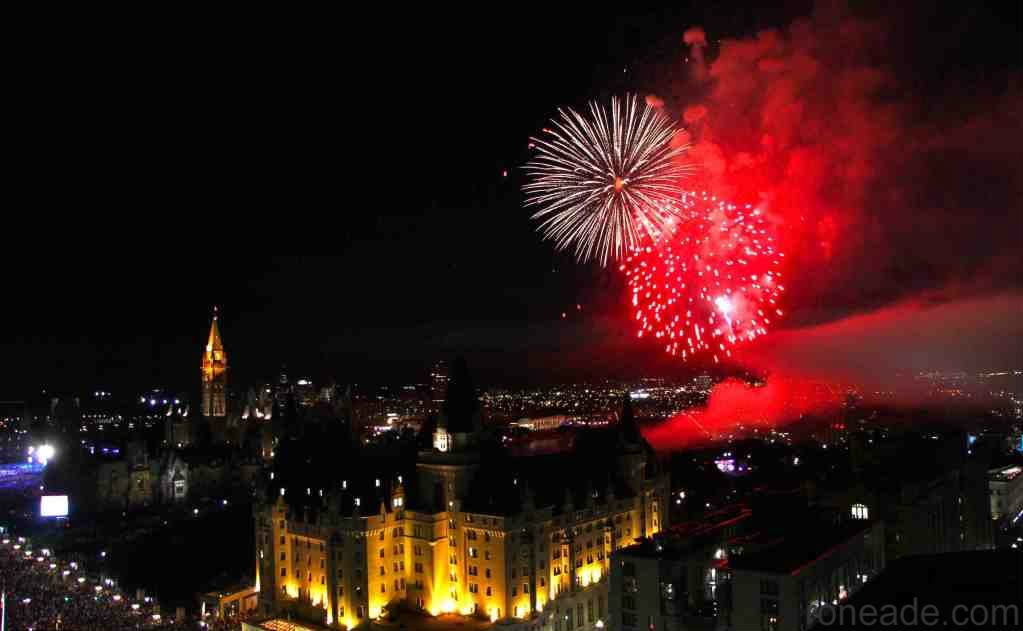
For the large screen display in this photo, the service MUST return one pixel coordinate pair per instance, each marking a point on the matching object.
(53, 506)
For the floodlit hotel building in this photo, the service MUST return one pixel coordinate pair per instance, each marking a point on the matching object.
(465, 529)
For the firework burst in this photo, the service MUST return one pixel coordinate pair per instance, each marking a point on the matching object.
(605, 183)
(711, 281)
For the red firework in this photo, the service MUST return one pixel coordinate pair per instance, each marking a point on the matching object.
(710, 281)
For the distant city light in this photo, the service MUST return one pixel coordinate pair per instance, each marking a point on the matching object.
(41, 454)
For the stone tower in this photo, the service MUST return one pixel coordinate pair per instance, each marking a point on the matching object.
(214, 374)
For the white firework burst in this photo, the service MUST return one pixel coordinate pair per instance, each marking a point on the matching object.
(604, 181)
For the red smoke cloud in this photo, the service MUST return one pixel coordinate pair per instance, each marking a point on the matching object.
(808, 367)
(896, 193)
(733, 403)
(973, 334)
(654, 101)
(881, 188)
(793, 119)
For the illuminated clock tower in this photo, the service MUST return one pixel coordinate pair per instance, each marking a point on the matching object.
(214, 374)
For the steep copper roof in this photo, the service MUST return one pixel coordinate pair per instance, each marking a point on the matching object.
(214, 343)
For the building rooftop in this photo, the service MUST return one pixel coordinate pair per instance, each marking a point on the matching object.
(710, 522)
(945, 581)
(503, 482)
(796, 549)
(688, 536)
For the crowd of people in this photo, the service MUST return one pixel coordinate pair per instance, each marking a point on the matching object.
(227, 623)
(42, 593)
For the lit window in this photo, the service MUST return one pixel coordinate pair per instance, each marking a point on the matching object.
(441, 440)
(860, 511)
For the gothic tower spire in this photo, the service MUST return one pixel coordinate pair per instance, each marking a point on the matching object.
(214, 343)
(214, 374)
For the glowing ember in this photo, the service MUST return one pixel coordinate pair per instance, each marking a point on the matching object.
(711, 281)
(608, 182)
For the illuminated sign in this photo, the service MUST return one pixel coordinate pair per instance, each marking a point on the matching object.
(53, 506)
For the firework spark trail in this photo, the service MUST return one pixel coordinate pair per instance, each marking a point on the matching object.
(711, 281)
(605, 183)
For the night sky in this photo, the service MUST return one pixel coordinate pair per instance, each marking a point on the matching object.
(156, 169)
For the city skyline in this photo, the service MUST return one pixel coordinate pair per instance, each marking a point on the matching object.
(259, 368)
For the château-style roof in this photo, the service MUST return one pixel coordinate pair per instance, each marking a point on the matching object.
(460, 412)
(588, 472)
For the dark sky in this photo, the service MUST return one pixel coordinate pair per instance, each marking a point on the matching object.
(156, 168)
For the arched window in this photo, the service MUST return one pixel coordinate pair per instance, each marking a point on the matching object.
(860, 511)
